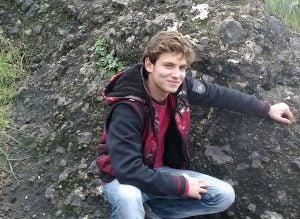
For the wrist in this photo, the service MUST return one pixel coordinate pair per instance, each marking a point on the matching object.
(185, 194)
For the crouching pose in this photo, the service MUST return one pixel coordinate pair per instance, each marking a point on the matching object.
(144, 155)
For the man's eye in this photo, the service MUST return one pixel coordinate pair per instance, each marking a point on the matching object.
(182, 68)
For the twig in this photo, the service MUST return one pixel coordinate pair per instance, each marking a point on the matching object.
(20, 159)
(9, 136)
(15, 129)
(12, 171)
(9, 164)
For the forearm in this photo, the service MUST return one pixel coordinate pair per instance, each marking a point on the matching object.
(226, 98)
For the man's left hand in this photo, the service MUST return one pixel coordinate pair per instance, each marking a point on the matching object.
(281, 113)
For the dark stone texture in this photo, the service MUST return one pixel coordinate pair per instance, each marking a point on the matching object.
(59, 116)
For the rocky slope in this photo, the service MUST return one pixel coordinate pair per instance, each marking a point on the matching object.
(59, 116)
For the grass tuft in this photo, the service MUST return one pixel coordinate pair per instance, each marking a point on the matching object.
(10, 71)
(288, 10)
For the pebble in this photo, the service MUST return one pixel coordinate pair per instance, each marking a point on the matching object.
(296, 164)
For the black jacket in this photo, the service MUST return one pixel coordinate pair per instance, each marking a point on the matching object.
(124, 128)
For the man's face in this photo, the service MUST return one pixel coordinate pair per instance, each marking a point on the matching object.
(167, 74)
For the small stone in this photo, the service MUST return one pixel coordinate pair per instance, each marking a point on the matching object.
(12, 30)
(60, 150)
(230, 213)
(37, 29)
(12, 199)
(62, 101)
(43, 8)
(92, 88)
(282, 196)
(28, 32)
(58, 213)
(75, 198)
(63, 162)
(243, 166)
(231, 31)
(84, 137)
(258, 50)
(99, 190)
(83, 164)
(27, 208)
(50, 192)
(216, 155)
(26, 4)
(64, 175)
(120, 3)
(33, 10)
(252, 207)
(93, 168)
(271, 215)
(296, 164)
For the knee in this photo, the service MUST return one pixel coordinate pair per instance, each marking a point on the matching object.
(228, 195)
(129, 194)
(128, 203)
(126, 200)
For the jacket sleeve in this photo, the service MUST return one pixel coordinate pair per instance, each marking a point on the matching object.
(205, 93)
(125, 150)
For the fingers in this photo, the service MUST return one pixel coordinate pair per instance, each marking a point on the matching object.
(197, 196)
(281, 113)
(202, 190)
(288, 114)
(196, 186)
(283, 120)
(202, 183)
(286, 117)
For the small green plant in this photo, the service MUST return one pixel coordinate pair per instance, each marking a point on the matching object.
(108, 62)
(288, 10)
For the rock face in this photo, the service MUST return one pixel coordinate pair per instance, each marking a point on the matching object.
(59, 116)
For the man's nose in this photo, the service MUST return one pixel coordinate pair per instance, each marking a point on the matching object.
(176, 73)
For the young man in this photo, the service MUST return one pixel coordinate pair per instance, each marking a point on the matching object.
(143, 155)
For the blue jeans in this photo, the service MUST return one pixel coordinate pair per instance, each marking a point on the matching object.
(127, 201)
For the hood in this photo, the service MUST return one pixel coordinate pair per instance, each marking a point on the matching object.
(127, 84)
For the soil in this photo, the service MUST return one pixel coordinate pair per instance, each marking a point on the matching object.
(59, 113)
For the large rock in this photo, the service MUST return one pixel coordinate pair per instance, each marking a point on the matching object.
(60, 117)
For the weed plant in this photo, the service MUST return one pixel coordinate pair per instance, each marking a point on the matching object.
(107, 62)
(288, 10)
(10, 72)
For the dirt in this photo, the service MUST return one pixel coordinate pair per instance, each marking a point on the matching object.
(59, 115)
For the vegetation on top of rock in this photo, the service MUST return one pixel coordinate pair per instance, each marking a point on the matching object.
(289, 10)
(108, 62)
(10, 71)
(51, 151)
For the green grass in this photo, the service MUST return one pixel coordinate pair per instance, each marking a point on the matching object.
(10, 72)
(108, 63)
(288, 10)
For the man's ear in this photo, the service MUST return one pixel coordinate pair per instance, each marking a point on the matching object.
(149, 66)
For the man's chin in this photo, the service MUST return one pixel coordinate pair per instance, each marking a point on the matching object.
(172, 90)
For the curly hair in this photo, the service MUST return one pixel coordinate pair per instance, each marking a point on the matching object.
(169, 42)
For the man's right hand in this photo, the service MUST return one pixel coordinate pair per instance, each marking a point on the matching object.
(196, 186)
